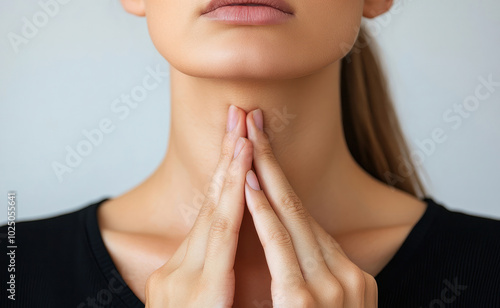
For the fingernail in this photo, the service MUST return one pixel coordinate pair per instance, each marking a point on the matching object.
(232, 118)
(239, 146)
(258, 119)
(252, 180)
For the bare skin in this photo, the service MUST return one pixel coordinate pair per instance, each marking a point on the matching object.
(138, 254)
(299, 95)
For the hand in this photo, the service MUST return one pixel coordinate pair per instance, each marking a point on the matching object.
(200, 273)
(308, 267)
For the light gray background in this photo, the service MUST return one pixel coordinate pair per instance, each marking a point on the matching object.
(65, 78)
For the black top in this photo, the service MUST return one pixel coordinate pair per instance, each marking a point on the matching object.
(449, 259)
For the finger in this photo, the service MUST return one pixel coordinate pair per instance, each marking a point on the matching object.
(276, 241)
(371, 291)
(324, 237)
(290, 209)
(198, 235)
(285, 202)
(352, 279)
(176, 259)
(235, 129)
(226, 221)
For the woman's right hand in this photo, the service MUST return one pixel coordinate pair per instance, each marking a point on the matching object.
(201, 271)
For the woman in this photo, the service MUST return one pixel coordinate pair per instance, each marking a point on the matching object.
(286, 183)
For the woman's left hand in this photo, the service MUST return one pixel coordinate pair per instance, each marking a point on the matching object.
(307, 266)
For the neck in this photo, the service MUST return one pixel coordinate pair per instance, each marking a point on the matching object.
(303, 120)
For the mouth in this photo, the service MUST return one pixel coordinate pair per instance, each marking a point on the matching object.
(279, 5)
(249, 12)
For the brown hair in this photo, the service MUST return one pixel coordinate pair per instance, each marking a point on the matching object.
(371, 128)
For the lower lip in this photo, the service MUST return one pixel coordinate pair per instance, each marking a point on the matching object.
(248, 15)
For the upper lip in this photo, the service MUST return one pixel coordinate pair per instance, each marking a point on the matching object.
(277, 4)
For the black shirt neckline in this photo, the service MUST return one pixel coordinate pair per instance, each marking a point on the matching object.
(103, 258)
(388, 275)
(399, 262)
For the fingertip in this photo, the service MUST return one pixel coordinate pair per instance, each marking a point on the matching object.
(248, 191)
(249, 123)
(250, 196)
(236, 122)
(232, 118)
(243, 126)
(258, 119)
(252, 181)
(251, 126)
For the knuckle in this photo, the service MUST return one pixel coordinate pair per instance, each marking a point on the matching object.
(280, 237)
(221, 226)
(261, 207)
(207, 209)
(292, 204)
(163, 288)
(303, 298)
(264, 149)
(356, 279)
(154, 280)
(334, 292)
(294, 281)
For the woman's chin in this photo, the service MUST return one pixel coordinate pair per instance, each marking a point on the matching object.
(244, 73)
(247, 70)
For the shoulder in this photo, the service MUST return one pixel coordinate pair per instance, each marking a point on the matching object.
(53, 261)
(48, 231)
(49, 241)
(459, 241)
(449, 257)
(455, 228)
